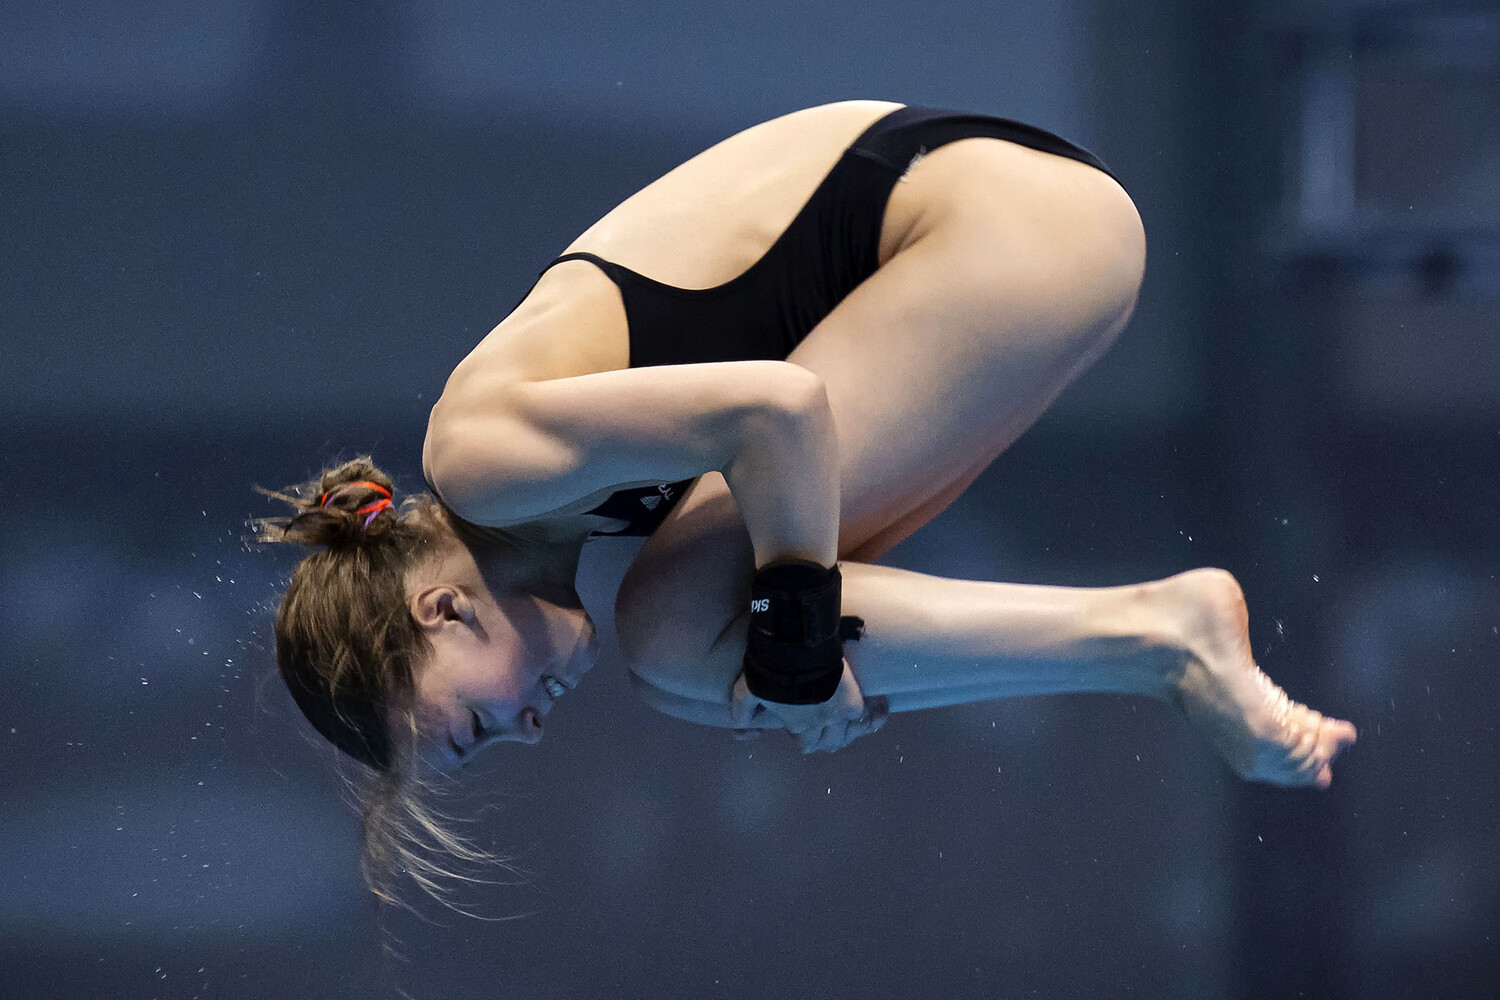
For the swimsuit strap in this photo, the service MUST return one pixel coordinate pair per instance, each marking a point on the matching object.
(607, 267)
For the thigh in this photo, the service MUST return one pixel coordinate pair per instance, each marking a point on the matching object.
(958, 343)
(933, 366)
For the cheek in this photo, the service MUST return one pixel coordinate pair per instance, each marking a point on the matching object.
(432, 692)
(485, 672)
(443, 680)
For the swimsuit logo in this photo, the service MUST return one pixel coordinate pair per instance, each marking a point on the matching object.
(760, 604)
(665, 491)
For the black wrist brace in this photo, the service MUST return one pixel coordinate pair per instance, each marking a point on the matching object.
(793, 652)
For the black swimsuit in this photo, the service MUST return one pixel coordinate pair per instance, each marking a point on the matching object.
(830, 247)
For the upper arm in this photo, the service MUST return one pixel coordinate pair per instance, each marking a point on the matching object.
(533, 447)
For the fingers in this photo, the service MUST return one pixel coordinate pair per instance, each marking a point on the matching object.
(877, 710)
(838, 735)
(853, 715)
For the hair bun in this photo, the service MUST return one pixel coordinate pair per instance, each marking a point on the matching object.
(349, 505)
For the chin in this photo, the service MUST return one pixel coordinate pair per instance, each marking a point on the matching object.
(586, 652)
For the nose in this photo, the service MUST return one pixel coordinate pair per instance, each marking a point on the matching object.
(526, 727)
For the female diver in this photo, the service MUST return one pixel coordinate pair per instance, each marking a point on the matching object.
(778, 360)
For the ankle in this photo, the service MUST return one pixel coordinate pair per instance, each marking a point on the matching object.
(1166, 617)
(1207, 617)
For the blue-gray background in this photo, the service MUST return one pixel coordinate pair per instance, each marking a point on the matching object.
(240, 238)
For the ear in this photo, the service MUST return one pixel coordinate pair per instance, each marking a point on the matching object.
(435, 606)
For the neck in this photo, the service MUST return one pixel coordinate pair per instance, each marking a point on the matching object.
(540, 557)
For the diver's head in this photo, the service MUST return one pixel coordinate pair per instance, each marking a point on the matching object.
(494, 660)
(410, 636)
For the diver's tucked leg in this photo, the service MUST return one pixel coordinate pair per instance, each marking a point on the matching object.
(931, 642)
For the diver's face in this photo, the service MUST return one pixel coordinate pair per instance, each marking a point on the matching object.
(492, 662)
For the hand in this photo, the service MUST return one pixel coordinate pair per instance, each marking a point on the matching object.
(835, 723)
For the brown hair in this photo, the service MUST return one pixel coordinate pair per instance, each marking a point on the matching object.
(347, 647)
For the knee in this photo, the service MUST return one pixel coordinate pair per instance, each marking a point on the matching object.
(644, 626)
(656, 659)
(673, 656)
(669, 623)
(686, 585)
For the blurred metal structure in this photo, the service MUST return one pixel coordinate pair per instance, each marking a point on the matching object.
(1362, 344)
(1396, 164)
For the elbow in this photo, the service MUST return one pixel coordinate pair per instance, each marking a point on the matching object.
(786, 402)
(798, 393)
(788, 406)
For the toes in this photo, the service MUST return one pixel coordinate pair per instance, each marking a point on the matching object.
(1303, 749)
(1339, 736)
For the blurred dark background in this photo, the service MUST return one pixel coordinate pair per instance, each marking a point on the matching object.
(242, 238)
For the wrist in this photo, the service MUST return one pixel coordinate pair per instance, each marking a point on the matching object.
(783, 473)
(793, 652)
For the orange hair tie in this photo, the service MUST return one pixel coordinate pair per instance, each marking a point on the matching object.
(374, 508)
(323, 500)
(369, 509)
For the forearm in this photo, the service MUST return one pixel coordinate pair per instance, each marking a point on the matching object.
(784, 477)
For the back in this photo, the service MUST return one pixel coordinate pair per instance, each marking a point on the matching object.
(731, 201)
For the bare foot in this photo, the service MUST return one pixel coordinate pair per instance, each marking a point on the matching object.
(1262, 734)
